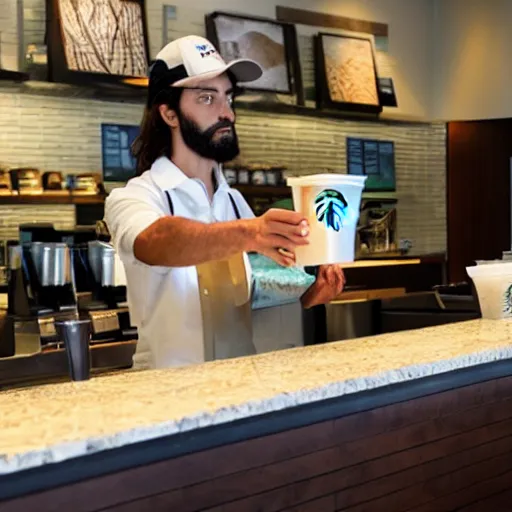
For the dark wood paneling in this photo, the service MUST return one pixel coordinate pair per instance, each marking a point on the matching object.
(270, 450)
(411, 464)
(289, 472)
(475, 489)
(433, 494)
(321, 19)
(423, 482)
(478, 192)
(325, 504)
(499, 502)
(391, 458)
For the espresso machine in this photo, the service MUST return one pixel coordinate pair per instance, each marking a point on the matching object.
(40, 292)
(56, 275)
(94, 267)
(100, 297)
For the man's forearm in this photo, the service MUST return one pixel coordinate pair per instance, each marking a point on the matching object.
(181, 242)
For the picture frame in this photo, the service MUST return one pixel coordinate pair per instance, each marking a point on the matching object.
(271, 43)
(340, 85)
(374, 159)
(90, 62)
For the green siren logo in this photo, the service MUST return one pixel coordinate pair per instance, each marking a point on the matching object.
(331, 209)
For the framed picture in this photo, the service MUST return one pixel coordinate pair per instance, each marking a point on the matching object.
(346, 73)
(270, 43)
(92, 42)
(375, 159)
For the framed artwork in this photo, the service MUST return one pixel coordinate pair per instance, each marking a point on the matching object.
(346, 73)
(270, 43)
(375, 159)
(91, 41)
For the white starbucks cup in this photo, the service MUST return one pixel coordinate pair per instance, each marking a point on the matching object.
(330, 203)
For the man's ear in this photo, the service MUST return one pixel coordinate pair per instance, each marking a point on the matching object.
(169, 116)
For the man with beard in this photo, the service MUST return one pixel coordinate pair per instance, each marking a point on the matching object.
(179, 211)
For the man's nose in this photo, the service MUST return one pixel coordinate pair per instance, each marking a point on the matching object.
(227, 113)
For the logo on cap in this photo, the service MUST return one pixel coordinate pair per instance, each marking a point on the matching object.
(205, 50)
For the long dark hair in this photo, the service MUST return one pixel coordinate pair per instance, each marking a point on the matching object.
(155, 139)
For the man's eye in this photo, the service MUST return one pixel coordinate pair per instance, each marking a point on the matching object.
(230, 100)
(207, 99)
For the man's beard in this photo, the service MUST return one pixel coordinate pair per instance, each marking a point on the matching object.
(221, 150)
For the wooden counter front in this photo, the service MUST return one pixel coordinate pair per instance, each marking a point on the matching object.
(417, 421)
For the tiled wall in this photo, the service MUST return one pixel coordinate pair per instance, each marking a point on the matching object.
(61, 215)
(63, 134)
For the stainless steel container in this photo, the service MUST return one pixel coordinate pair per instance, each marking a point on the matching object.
(55, 265)
(36, 251)
(15, 257)
(108, 267)
(94, 250)
(102, 262)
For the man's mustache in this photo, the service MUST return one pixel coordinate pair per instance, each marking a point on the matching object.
(209, 132)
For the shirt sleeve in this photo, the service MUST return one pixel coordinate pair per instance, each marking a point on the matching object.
(128, 212)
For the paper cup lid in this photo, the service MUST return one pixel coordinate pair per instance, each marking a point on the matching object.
(490, 269)
(320, 180)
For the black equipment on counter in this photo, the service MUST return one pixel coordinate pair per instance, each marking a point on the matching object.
(56, 276)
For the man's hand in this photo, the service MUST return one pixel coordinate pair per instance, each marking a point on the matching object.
(328, 285)
(277, 234)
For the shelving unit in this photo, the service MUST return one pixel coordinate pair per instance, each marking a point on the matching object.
(49, 198)
(284, 191)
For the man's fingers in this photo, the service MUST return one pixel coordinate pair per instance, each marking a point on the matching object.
(281, 257)
(286, 216)
(297, 233)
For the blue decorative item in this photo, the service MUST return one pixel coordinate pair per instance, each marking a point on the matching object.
(274, 285)
(331, 209)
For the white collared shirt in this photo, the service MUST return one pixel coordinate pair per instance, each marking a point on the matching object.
(164, 302)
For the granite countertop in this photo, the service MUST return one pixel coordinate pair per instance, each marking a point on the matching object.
(51, 423)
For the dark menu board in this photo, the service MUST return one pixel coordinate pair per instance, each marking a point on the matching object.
(119, 165)
(373, 158)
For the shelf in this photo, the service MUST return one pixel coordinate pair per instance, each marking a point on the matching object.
(123, 93)
(284, 191)
(49, 198)
(276, 107)
(263, 190)
(380, 195)
(13, 76)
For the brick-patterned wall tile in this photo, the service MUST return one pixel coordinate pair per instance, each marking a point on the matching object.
(11, 216)
(63, 134)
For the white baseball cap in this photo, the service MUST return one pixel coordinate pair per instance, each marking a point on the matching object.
(188, 61)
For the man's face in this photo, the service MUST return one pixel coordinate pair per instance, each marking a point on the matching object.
(207, 120)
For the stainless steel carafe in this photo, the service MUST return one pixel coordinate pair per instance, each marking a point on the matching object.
(55, 264)
(102, 262)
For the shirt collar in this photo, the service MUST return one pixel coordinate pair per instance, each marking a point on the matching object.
(169, 176)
